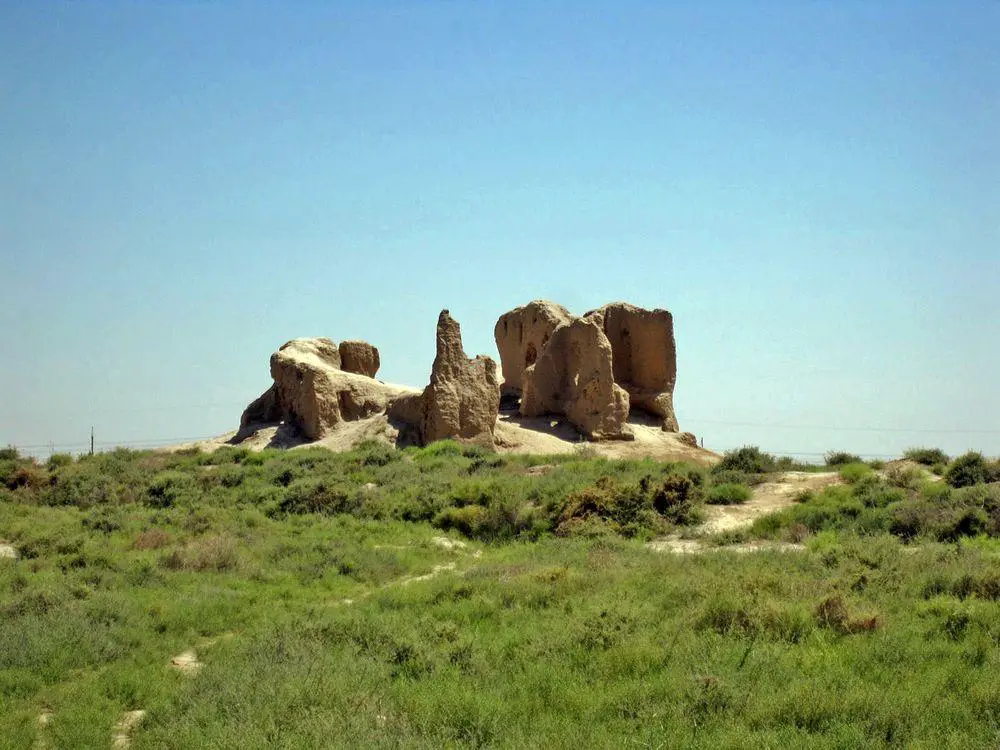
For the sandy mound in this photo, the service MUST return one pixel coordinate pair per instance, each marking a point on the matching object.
(514, 434)
(549, 435)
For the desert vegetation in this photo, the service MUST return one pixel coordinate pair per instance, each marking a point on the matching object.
(449, 596)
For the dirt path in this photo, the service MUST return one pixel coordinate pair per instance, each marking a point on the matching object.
(769, 497)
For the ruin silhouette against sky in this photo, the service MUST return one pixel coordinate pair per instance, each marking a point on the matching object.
(810, 189)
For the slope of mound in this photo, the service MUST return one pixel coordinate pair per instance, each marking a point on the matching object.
(514, 434)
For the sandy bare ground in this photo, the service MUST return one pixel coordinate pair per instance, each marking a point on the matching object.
(514, 434)
(769, 497)
(552, 435)
(122, 733)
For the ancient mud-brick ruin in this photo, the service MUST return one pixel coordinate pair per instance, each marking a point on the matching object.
(593, 370)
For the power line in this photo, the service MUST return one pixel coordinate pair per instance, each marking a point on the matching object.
(724, 423)
(840, 428)
(121, 443)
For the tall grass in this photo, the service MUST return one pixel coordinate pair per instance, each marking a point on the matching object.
(340, 618)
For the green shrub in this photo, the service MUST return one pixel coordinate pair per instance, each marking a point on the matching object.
(964, 522)
(169, 487)
(441, 448)
(466, 519)
(967, 470)
(319, 495)
(963, 514)
(230, 475)
(935, 492)
(676, 497)
(498, 522)
(377, 453)
(57, 460)
(852, 473)
(733, 476)
(211, 553)
(926, 456)
(840, 458)
(727, 494)
(627, 510)
(903, 476)
(103, 519)
(749, 459)
(82, 484)
(875, 493)
(24, 475)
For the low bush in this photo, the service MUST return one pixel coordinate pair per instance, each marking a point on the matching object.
(749, 459)
(319, 495)
(626, 510)
(377, 453)
(168, 488)
(151, 539)
(875, 493)
(904, 476)
(734, 476)
(212, 553)
(676, 497)
(855, 472)
(840, 458)
(967, 470)
(727, 494)
(926, 456)
(57, 460)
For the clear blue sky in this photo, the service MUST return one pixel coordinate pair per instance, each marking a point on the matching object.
(813, 189)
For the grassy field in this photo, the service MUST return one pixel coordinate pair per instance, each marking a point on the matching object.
(447, 597)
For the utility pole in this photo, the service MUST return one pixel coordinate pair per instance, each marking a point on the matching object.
(91, 440)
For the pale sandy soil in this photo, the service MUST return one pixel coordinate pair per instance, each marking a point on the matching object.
(514, 434)
(769, 497)
(551, 435)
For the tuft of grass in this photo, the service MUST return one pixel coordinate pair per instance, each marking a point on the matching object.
(904, 477)
(927, 456)
(841, 458)
(345, 616)
(727, 494)
(854, 472)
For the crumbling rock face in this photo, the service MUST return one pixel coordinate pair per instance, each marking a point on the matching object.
(359, 357)
(573, 376)
(463, 397)
(521, 335)
(644, 356)
(593, 377)
(311, 392)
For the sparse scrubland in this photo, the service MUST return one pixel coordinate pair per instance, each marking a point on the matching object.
(448, 596)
